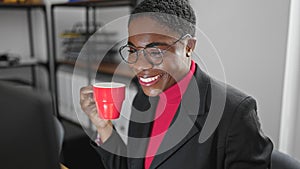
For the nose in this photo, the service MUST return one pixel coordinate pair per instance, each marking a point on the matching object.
(142, 63)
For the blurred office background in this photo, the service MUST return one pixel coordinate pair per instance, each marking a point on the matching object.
(255, 41)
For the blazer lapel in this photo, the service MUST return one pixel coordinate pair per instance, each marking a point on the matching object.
(142, 116)
(189, 120)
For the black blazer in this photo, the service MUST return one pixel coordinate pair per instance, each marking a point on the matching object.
(216, 127)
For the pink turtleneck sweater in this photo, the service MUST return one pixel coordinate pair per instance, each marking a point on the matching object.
(165, 112)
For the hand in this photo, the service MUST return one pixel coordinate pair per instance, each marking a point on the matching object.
(88, 105)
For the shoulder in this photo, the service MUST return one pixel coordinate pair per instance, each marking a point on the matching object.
(239, 116)
(237, 100)
(227, 104)
(236, 103)
(220, 94)
(220, 100)
(238, 134)
(226, 97)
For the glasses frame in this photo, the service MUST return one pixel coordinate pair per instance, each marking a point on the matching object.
(162, 52)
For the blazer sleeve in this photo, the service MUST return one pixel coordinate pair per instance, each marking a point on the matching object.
(246, 145)
(112, 152)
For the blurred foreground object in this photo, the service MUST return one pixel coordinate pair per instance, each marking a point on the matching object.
(29, 137)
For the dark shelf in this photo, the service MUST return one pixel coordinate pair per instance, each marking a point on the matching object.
(27, 63)
(83, 34)
(24, 64)
(22, 5)
(96, 3)
(18, 82)
(107, 68)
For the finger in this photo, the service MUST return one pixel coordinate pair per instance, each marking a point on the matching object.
(94, 114)
(87, 98)
(86, 90)
(85, 103)
(98, 121)
(92, 101)
(88, 109)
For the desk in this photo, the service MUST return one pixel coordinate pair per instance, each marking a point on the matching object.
(63, 167)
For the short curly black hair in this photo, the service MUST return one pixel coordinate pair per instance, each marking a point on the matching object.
(178, 15)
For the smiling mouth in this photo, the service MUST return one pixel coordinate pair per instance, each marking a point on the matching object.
(148, 81)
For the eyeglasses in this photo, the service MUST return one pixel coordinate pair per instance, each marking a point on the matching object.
(153, 55)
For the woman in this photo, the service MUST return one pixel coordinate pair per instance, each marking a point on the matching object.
(175, 101)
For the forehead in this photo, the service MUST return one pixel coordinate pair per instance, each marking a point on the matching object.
(144, 25)
(142, 40)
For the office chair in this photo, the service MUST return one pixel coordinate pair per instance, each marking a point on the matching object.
(59, 133)
(59, 130)
(283, 161)
(27, 127)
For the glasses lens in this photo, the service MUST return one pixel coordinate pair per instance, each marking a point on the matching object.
(128, 54)
(155, 55)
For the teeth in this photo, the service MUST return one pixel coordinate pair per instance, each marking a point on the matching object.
(150, 79)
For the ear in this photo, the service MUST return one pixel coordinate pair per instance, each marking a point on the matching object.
(191, 44)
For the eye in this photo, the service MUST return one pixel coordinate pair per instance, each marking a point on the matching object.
(154, 52)
(156, 55)
(131, 49)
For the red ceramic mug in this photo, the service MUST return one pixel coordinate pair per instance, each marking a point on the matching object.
(109, 97)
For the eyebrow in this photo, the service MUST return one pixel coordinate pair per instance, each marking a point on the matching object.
(153, 44)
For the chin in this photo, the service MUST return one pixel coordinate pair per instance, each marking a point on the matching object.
(159, 87)
(151, 92)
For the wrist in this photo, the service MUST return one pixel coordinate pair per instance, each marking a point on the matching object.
(105, 132)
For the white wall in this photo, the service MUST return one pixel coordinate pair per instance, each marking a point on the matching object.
(250, 37)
